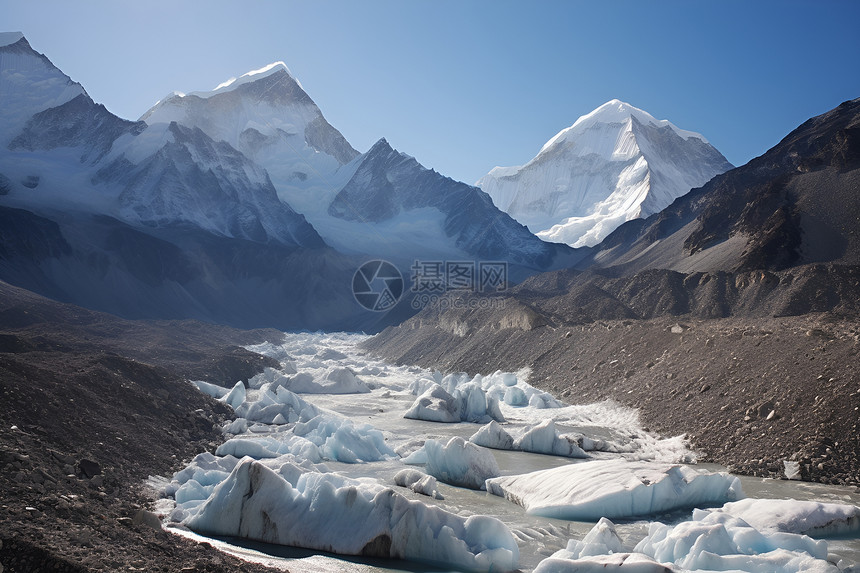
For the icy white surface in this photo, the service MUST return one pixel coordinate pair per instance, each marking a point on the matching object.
(332, 513)
(468, 403)
(601, 540)
(324, 437)
(542, 438)
(459, 462)
(612, 165)
(272, 400)
(493, 435)
(235, 397)
(720, 542)
(251, 76)
(299, 427)
(793, 516)
(498, 385)
(418, 482)
(333, 381)
(625, 562)
(791, 469)
(614, 488)
(211, 389)
(342, 440)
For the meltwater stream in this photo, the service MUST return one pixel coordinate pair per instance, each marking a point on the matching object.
(310, 359)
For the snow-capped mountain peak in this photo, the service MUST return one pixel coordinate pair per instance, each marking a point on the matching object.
(62, 150)
(614, 164)
(253, 76)
(612, 112)
(269, 118)
(231, 84)
(30, 84)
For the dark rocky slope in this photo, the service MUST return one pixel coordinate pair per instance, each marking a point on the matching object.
(91, 405)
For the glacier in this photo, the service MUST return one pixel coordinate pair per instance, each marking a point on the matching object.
(332, 513)
(624, 562)
(709, 541)
(716, 541)
(316, 460)
(612, 165)
(542, 438)
(333, 381)
(614, 489)
(468, 403)
(456, 462)
(418, 482)
(812, 518)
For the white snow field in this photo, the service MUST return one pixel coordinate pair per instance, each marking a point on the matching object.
(615, 489)
(334, 473)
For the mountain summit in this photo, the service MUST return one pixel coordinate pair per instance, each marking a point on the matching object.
(612, 165)
(381, 203)
(267, 116)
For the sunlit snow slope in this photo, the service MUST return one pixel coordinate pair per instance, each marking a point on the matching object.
(269, 118)
(382, 203)
(614, 164)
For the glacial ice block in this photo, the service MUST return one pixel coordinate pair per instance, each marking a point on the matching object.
(601, 540)
(334, 381)
(465, 403)
(418, 482)
(236, 396)
(328, 512)
(211, 389)
(324, 437)
(615, 489)
(622, 562)
(792, 516)
(541, 438)
(460, 463)
(717, 541)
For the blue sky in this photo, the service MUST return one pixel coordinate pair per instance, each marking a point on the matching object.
(467, 85)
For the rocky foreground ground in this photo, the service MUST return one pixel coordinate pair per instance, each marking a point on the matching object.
(749, 393)
(90, 406)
